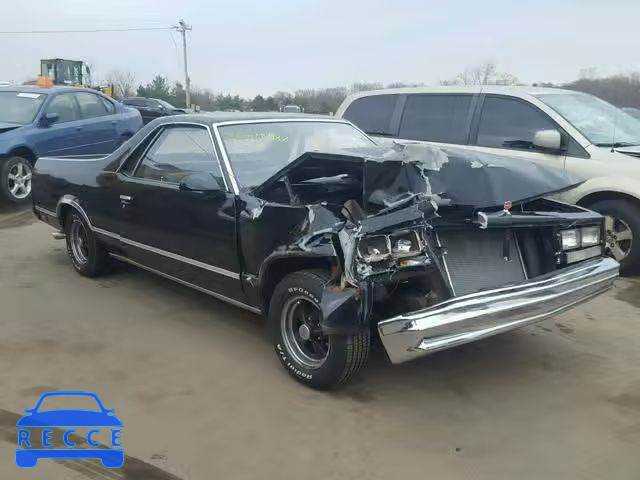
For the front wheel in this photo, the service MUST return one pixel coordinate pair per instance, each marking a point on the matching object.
(312, 358)
(622, 226)
(15, 178)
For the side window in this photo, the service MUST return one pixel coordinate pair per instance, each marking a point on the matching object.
(373, 114)
(91, 105)
(65, 107)
(509, 123)
(111, 108)
(436, 118)
(178, 152)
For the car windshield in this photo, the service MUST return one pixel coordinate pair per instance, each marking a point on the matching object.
(19, 107)
(602, 123)
(258, 150)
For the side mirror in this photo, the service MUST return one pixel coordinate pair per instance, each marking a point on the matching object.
(548, 140)
(50, 118)
(200, 182)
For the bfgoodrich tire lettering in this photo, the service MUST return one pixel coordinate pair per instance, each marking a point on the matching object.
(87, 256)
(344, 355)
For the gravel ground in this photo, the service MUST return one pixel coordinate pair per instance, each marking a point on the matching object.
(202, 395)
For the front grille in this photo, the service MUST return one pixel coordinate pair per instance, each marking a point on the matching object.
(475, 261)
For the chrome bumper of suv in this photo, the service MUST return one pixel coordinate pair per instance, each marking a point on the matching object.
(471, 317)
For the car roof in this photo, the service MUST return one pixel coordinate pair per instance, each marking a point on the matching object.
(45, 90)
(517, 91)
(221, 117)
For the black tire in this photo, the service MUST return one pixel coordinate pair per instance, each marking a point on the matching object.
(346, 355)
(629, 214)
(8, 169)
(90, 260)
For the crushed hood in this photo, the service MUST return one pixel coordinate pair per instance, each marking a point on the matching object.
(391, 177)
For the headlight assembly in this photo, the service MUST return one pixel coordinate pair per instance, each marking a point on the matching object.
(374, 249)
(570, 239)
(590, 236)
(396, 245)
(405, 244)
(580, 237)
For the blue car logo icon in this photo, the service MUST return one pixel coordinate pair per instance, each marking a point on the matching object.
(68, 420)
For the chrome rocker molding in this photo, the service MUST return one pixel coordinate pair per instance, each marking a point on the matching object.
(164, 253)
(478, 315)
(187, 284)
(71, 201)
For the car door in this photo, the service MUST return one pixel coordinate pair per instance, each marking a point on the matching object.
(507, 125)
(190, 236)
(64, 136)
(151, 110)
(98, 125)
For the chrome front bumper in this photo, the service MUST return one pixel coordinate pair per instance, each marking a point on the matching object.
(471, 317)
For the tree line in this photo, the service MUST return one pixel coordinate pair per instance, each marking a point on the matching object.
(621, 90)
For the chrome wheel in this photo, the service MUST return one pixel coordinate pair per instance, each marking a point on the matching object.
(300, 324)
(619, 237)
(79, 242)
(19, 180)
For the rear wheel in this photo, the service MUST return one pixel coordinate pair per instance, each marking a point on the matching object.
(15, 178)
(622, 225)
(88, 257)
(311, 357)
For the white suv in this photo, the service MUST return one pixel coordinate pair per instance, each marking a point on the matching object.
(560, 128)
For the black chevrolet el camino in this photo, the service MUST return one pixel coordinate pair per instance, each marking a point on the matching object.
(333, 238)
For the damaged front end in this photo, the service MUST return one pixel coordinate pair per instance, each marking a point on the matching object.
(432, 247)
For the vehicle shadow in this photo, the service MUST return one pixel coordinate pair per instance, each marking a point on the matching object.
(456, 372)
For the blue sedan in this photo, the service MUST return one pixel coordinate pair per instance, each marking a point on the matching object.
(36, 122)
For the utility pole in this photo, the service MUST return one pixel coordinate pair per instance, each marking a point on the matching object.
(182, 27)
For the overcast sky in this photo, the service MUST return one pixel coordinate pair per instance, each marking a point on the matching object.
(260, 46)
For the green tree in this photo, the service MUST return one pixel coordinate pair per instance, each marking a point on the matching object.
(157, 88)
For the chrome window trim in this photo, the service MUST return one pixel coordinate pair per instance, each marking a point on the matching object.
(223, 150)
(171, 255)
(187, 284)
(158, 131)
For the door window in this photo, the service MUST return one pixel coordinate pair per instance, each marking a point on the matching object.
(509, 123)
(178, 152)
(65, 107)
(91, 105)
(108, 104)
(373, 114)
(436, 118)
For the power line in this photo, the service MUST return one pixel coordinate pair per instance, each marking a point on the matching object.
(97, 30)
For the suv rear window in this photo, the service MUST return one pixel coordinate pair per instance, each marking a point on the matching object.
(373, 114)
(436, 118)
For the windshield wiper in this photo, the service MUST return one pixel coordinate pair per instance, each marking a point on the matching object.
(617, 144)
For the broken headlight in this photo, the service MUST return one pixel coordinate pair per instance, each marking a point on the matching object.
(374, 249)
(406, 244)
(382, 247)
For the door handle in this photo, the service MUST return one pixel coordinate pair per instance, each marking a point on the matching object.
(79, 128)
(114, 122)
(125, 200)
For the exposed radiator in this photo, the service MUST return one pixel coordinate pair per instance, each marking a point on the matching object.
(475, 260)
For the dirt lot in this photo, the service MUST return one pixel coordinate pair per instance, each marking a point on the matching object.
(202, 395)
